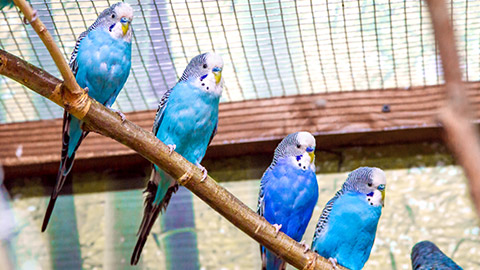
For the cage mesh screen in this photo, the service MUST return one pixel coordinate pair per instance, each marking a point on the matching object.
(270, 48)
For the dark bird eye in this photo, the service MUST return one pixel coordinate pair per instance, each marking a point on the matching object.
(113, 16)
(369, 184)
(298, 146)
(205, 65)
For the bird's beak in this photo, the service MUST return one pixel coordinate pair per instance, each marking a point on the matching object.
(125, 25)
(311, 153)
(218, 76)
(383, 197)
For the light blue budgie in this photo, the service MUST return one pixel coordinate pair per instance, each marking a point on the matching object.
(101, 64)
(427, 256)
(289, 191)
(186, 121)
(346, 229)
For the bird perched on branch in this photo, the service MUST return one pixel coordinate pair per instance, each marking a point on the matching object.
(346, 229)
(289, 191)
(186, 121)
(100, 62)
(426, 256)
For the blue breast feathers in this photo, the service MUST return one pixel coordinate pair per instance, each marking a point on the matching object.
(350, 231)
(290, 196)
(103, 65)
(189, 120)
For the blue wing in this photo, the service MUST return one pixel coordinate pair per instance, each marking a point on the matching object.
(323, 220)
(426, 255)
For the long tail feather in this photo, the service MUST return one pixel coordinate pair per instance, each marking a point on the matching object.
(151, 212)
(66, 165)
(270, 261)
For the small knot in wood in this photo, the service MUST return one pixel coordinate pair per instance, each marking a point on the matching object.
(185, 178)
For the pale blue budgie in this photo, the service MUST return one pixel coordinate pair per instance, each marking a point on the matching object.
(346, 229)
(427, 256)
(101, 64)
(186, 121)
(289, 191)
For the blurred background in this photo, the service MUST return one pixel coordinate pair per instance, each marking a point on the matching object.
(362, 76)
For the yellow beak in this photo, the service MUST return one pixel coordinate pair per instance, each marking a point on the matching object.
(312, 156)
(125, 27)
(218, 76)
(383, 197)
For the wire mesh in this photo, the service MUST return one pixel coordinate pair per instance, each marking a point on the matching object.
(270, 48)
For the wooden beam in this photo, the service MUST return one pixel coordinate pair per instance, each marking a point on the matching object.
(337, 119)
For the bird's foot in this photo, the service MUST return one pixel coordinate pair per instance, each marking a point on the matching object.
(122, 116)
(277, 228)
(33, 18)
(204, 176)
(86, 89)
(334, 262)
(306, 248)
(171, 148)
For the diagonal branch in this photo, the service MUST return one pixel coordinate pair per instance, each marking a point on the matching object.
(460, 132)
(107, 123)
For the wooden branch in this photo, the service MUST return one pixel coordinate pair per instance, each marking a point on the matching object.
(74, 96)
(456, 117)
(108, 123)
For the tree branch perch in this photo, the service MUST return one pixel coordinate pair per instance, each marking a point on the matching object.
(456, 117)
(102, 120)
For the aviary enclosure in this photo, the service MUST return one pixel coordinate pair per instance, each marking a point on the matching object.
(378, 83)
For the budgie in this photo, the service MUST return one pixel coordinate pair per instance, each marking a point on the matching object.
(427, 256)
(289, 191)
(186, 121)
(346, 229)
(101, 62)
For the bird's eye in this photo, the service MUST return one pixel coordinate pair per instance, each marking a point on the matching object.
(205, 65)
(369, 184)
(298, 146)
(113, 16)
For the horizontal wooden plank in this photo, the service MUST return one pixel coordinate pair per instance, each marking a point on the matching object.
(255, 126)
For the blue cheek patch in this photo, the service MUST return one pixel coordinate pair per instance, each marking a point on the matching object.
(299, 157)
(370, 194)
(203, 77)
(111, 27)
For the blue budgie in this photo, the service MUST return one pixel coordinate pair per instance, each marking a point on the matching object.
(427, 256)
(346, 229)
(289, 191)
(186, 121)
(101, 63)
